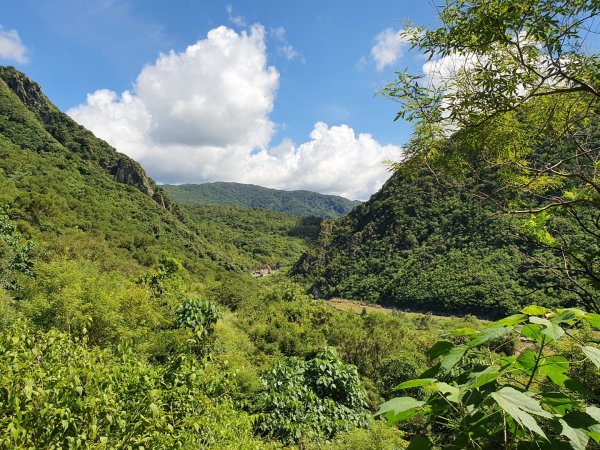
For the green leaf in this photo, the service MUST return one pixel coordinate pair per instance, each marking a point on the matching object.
(534, 310)
(484, 377)
(520, 407)
(489, 334)
(453, 357)
(452, 393)
(439, 348)
(593, 354)
(154, 409)
(559, 402)
(587, 421)
(464, 332)
(576, 436)
(533, 332)
(512, 320)
(594, 430)
(553, 330)
(420, 443)
(415, 383)
(399, 408)
(593, 319)
(526, 361)
(555, 368)
(565, 316)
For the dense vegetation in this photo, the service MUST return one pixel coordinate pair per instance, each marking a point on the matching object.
(128, 321)
(254, 237)
(423, 245)
(297, 203)
(116, 315)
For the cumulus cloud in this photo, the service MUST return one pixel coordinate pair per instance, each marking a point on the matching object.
(11, 46)
(203, 115)
(438, 71)
(388, 48)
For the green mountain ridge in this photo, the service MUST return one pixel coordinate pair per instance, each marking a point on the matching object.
(419, 245)
(298, 203)
(75, 193)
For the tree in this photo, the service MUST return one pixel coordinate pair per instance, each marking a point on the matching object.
(478, 397)
(311, 399)
(512, 91)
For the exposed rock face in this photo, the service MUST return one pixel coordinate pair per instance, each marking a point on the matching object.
(81, 141)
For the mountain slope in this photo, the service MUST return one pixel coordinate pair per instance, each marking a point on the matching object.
(298, 203)
(75, 195)
(418, 245)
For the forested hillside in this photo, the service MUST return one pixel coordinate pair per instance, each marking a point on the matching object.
(126, 321)
(424, 245)
(132, 321)
(297, 203)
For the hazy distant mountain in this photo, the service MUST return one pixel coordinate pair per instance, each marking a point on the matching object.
(298, 203)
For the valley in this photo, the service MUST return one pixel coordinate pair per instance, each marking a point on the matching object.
(458, 307)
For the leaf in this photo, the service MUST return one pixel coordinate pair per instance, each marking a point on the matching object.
(566, 316)
(439, 348)
(593, 319)
(534, 310)
(464, 332)
(559, 402)
(154, 409)
(533, 332)
(453, 357)
(576, 436)
(415, 383)
(420, 443)
(594, 430)
(520, 407)
(484, 377)
(512, 320)
(587, 421)
(593, 354)
(555, 368)
(452, 393)
(489, 334)
(399, 408)
(553, 330)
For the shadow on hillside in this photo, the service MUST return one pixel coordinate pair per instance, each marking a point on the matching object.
(307, 228)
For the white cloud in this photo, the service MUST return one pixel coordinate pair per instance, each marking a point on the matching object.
(11, 46)
(288, 52)
(236, 20)
(278, 33)
(443, 70)
(388, 48)
(285, 49)
(203, 115)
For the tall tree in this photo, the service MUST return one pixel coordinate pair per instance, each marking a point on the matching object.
(512, 87)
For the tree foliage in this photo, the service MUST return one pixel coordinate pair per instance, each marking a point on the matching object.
(313, 398)
(515, 90)
(479, 397)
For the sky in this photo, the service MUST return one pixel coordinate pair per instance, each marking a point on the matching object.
(279, 94)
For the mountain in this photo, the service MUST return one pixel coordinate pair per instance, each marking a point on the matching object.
(74, 194)
(297, 203)
(419, 245)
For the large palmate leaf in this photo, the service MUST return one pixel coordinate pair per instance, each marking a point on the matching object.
(593, 320)
(419, 382)
(520, 407)
(489, 334)
(399, 408)
(453, 357)
(592, 353)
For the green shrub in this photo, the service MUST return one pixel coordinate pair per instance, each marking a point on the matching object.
(310, 399)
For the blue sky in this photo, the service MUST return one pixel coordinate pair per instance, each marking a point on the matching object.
(318, 82)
